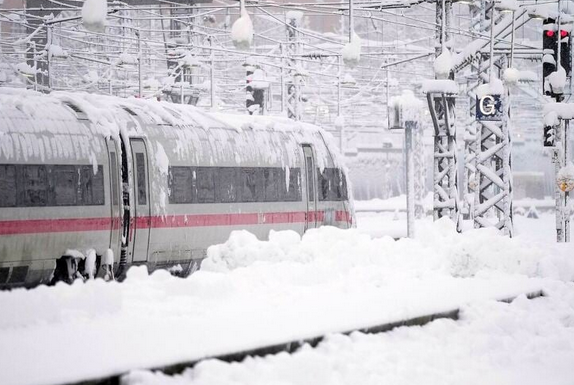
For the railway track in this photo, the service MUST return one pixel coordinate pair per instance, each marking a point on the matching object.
(292, 346)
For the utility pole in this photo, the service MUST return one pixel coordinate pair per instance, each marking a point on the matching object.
(557, 64)
(293, 83)
(140, 58)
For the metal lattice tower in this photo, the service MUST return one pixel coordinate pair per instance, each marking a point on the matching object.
(493, 199)
(493, 175)
(442, 106)
(445, 203)
(468, 185)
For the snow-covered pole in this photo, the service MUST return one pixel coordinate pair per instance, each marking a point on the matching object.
(339, 109)
(556, 158)
(559, 38)
(282, 50)
(443, 27)
(140, 57)
(491, 56)
(567, 158)
(49, 36)
(512, 41)
(35, 54)
(212, 73)
(293, 89)
(410, 127)
(351, 22)
(110, 88)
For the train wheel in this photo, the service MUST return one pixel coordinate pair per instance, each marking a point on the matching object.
(66, 270)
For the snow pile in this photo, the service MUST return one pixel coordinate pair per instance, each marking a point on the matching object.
(439, 248)
(494, 87)
(528, 76)
(565, 178)
(443, 64)
(349, 80)
(511, 75)
(351, 52)
(297, 16)
(553, 112)
(557, 80)
(244, 249)
(127, 58)
(25, 69)
(94, 14)
(189, 60)
(90, 263)
(409, 106)
(507, 5)
(538, 12)
(440, 85)
(258, 80)
(57, 51)
(242, 31)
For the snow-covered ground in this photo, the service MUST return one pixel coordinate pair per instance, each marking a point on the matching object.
(251, 293)
(394, 224)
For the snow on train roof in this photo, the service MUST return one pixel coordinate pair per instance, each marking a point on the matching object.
(103, 109)
(61, 135)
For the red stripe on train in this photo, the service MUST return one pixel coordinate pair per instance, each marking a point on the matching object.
(32, 226)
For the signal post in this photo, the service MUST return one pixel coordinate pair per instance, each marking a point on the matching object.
(556, 75)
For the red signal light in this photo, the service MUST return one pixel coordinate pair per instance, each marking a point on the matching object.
(563, 33)
(550, 33)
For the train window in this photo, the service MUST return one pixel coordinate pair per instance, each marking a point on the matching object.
(293, 192)
(114, 166)
(273, 181)
(227, 184)
(180, 185)
(7, 185)
(323, 184)
(35, 186)
(344, 192)
(333, 185)
(140, 168)
(251, 185)
(65, 182)
(91, 186)
(205, 185)
(310, 184)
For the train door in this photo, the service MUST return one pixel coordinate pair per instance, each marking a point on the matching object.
(115, 193)
(311, 187)
(141, 222)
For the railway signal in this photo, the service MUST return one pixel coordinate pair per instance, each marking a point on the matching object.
(552, 33)
(549, 47)
(549, 136)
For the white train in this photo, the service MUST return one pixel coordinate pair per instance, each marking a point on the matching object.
(149, 183)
